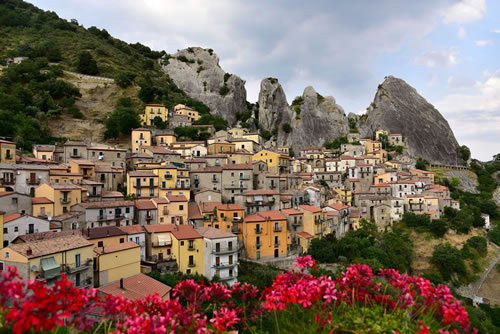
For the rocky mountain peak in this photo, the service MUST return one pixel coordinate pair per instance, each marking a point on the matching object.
(399, 108)
(197, 71)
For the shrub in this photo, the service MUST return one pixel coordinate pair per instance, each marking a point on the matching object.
(298, 101)
(223, 90)
(413, 220)
(464, 153)
(286, 128)
(226, 77)
(266, 134)
(421, 164)
(480, 244)
(185, 59)
(494, 235)
(125, 79)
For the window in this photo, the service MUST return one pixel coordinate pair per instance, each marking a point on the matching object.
(1, 266)
(257, 242)
(151, 192)
(100, 244)
(230, 259)
(191, 260)
(191, 244)
(122, 240)
(77, 260)
(16, 228)
(77, 279)
(14, 200)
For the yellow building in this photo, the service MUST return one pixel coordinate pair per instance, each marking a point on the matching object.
(229, 218)
(264, 235)
(63, 195)
(105, 236)
(220, 148)
(44, 152)
(304, 240)
(48, 258)
(142, 184)
(7, 152)
(345, 196)
(313, 220)
(42, 207)
(140, 137)
(181, 109)
(239, 157)
(274, 160)
(165, 139)
(253, 136)
(151, 111)
(116, 261)
(63, 177)
(187, 248)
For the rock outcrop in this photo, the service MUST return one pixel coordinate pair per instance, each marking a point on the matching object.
(313, 119)
(197, 72)
(398, 108)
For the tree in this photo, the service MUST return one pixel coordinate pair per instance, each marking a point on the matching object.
(122, 120)
(438, 227)
(159, 123)
(480, 244)
(448, 260)
(87, 64)
(125, 79)
(464, 153)
(494, 235)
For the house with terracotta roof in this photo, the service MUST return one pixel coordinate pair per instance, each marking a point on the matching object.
(206, 178)
(295, 223)
(42, 207)
(84, 167)
(7, 152)
(140, 137)
(207, 195)
(304, 241)
(71, 220)
(313, 220)
(343, 218)
(44, 152)
(187, 248)
(64, 195)
(165, 138)
(107, 213)
(146, 212)
(236, 179)
(47, 259)
(74, 150)
(264, 235)
(255, 201)
(109, 154)
(115, 262)
(276, 162)
(17, 224)
(396, 139)
(220, 254)
(110, 176)
(136, 287)
(159, 254)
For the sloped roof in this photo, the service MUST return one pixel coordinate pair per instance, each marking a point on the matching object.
(136, 287)
(214, 233)
(50, 246)
(310, 208)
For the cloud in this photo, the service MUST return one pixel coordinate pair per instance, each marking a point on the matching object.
(461, 32)
(475, 116)
(497, 31)
(437, 58)
(456, 82)
(482, 43)
(466, 11)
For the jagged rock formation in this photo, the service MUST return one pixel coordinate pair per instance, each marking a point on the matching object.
(313, 120)
(197, 72)
(398, 108)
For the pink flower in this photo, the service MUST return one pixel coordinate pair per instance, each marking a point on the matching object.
(305, 262)
(224, 319)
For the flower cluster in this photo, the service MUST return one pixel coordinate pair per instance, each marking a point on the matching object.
(201, 308)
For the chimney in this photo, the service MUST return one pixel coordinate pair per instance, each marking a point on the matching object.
(29, 251)
(121, 283)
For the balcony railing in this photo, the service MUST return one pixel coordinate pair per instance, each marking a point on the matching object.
(32, 231)
(277, 229)
(7, 182)
(191, 264)
(226, 278)
(236, 230)
(244, 177)
(191, 248)
(83, 266)
(157, 259)
(168, 176)
(260, 203)
(139, 185)
(276, 244)
(65, 200)
(75, 155)
(32, 181)
(258, 230)
(224, 250)
(235, 186)
(224, 265)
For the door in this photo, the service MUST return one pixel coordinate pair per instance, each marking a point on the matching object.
(31, 228)
(276, 253)
(217, 261)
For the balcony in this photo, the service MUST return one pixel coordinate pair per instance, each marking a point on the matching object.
(236, 230)
(32, 231)
(214, 179)
(235, 186)
(83, 266)
(7, 182)
(260, 203)
(276, 244)
(277, 229)
(75, 155)
(272, 186)
(138, 185)
(225, 250)
(168, 176)
(31, 181)
(157, 259)
(65, 200)
(244, 177)
(320, 231)
(161, 243)
(224, 265)
(102, 218)
(226, 278)
(182, 186)
(258, 230)
(119, 216)
(191, 264)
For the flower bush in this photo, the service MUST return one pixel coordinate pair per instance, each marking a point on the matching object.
(297, 302)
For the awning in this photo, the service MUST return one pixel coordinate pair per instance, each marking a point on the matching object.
(50, 267)
(165, 239)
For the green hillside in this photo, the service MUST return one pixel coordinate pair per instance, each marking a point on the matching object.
(37, 90)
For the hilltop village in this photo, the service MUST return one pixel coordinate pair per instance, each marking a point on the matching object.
(103, 214)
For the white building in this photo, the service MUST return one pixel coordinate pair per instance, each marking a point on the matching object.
(220, 254)
(402, 188)
(198, 151)
(487, 223)
(17, 224)
(136, 233)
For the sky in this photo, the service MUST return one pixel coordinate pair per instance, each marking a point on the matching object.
(447, 49)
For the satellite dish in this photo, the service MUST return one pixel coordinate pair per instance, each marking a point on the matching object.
(34, 268)
(49, 218)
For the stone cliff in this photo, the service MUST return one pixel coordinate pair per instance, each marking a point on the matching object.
(197, 72)
(398, 108)
(313, 119)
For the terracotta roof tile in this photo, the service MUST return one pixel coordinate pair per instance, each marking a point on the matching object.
(136, 287)
(115, 248)
(305, 235)
(41, 200)
(338, 206)
(160, 228)
(310, 208)
(102, 232)
(260, 192)
(264, 216)
(291, 212)
(50, 246)
(11, 217)
(194, 211)
(132, 229)
(177, 198)
(214, 233)
(105, 204)
(185, 232)
(145, 205)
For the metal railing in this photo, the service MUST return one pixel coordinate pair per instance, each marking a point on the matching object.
(31, 232)
(161, 243)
